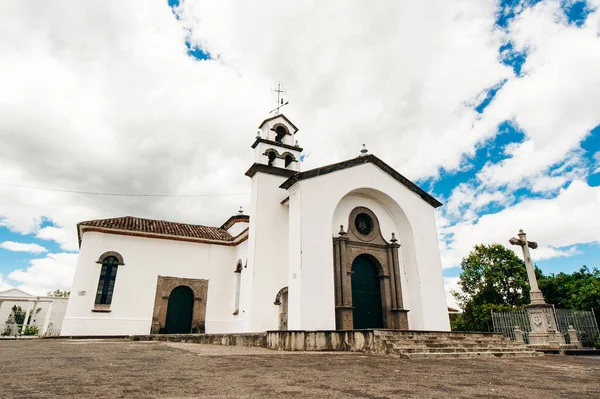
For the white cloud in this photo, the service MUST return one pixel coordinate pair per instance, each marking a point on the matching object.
(571, 218)
(46, 274)
(597, 162)
(103, 97)
(100, 96)
(66, 238)
(22, 247)
(3, 284)
(451, 284)
(555, 103)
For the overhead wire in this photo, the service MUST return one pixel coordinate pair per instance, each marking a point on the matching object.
(117, 194)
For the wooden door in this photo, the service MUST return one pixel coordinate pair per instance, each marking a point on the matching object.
(179, 311)
(366, 294)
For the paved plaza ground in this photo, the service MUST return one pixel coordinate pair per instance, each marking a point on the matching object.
(125, 369)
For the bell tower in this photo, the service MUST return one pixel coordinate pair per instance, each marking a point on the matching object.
(276, 145)
(276, 158)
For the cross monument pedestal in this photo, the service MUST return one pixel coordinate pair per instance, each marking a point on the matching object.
(544, 331)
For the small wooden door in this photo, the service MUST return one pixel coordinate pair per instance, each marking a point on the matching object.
(179, 311)
(366, 294)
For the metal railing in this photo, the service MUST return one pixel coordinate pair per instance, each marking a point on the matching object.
(32, 318)
(583, 321)
(505, 323)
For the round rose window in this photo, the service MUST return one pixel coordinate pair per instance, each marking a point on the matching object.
(363, 223)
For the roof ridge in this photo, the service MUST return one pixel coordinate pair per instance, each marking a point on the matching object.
(361, 160)
(148, 219)
(144, 226)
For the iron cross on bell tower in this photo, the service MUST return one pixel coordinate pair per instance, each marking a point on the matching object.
(280, 102)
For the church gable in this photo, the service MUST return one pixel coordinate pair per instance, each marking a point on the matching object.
(372, 159)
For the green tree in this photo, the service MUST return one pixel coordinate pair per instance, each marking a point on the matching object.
(579, 290)
(59, 294)
(492, 278)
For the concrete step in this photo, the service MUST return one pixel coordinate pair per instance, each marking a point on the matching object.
(413, 335)
(444, 338)
(457, 350)
(463, 355)
(450, 343)
(454, 345)
(470, 345)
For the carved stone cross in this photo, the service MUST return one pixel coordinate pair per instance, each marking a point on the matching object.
(535, 295)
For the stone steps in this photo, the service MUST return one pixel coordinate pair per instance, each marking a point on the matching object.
(468, 346)
(404, 349)
(463, 355)
(450, 345)
(449, 342)
(457, 348)
(434, 335)
(444, 337)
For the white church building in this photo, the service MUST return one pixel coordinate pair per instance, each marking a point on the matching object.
(351, 245)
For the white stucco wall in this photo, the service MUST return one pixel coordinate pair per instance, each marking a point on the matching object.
(135, 286)
(237, 228)
(267, 269)
(313, 204)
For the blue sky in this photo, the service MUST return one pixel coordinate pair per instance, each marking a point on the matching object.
(505, 117)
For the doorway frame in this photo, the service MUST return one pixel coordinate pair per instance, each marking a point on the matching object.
(346, 248)
(164, 286)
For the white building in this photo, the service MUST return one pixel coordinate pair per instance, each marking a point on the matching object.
(19, 310)
(348, 245)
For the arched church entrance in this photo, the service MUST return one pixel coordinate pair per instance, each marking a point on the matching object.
(366, 293)
(368, 289)
(179, 311)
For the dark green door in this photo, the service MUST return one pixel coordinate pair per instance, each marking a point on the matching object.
(179, 311)
(366, 295)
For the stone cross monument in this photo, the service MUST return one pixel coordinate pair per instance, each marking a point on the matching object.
(544, 332)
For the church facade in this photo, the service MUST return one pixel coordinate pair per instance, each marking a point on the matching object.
(350, 245)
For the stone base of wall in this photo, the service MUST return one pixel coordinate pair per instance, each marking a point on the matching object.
(339, 340)
(250, 339)
(406, 344)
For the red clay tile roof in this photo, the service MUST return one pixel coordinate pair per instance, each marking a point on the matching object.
(149, 226)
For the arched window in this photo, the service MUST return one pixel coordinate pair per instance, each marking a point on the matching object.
(280, 132)
(106, 284)
(272, 157)
(288, 160)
